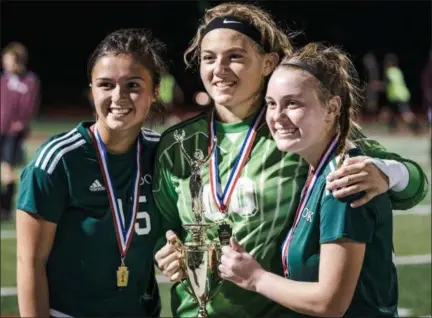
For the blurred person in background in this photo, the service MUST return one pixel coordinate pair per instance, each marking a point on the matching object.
(172, 96)
(427, 87)
(20, 95)
(398, 95)
(427, 92)
(374, 84)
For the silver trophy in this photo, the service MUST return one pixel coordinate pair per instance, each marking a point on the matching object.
(200, 256)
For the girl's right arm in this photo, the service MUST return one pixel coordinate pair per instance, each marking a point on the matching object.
(42, 199)
(35, 237)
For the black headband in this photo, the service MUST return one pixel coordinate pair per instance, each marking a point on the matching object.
(312, 70)
(239, 25)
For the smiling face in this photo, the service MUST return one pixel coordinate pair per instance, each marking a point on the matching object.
(122, 91)
(231, 68)
(297, 119)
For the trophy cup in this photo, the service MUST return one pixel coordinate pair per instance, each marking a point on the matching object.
(200, 256)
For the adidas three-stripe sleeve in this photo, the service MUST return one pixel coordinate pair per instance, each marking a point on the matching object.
(44, 184)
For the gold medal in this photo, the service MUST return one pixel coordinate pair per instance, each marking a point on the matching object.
(122, 276)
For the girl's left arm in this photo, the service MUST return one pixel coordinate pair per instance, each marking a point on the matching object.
(339, 269)
(340, 265)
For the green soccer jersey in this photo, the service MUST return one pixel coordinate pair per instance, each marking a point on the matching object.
(64, 184)
(261, 209)
(326, 219)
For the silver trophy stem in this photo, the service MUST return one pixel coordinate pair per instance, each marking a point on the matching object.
(199, 254)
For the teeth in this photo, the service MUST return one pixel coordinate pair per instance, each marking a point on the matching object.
(225, 84)
(120, 111)
(287, 131)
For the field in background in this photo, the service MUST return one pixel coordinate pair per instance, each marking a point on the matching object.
(412, 233)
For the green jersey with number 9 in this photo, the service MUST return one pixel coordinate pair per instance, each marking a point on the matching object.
(64, 184)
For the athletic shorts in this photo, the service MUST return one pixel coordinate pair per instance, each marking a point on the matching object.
(11, 149)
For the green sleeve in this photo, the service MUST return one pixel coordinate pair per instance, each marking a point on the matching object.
(165, 197)
(338, 220)
(418, 185)
(43, 193)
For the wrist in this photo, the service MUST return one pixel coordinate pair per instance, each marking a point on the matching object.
(259, 280)
(396, 172)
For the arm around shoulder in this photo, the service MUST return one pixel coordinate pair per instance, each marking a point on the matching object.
(417, 184)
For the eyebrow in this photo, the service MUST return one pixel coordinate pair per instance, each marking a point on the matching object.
(228, 51)
(130, 78)
(297, 96)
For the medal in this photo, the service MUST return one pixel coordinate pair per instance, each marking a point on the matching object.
(225, 233)
(122, 275)
(220, 198)
(124, 231)
(304, 197)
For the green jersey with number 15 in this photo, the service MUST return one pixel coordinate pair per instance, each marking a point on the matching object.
(64, 184)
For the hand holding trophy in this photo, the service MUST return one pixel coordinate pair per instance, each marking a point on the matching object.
(200, 256)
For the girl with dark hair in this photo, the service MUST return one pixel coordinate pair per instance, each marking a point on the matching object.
(86, 222)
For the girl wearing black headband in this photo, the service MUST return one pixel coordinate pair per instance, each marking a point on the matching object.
(256, 193)
(338, 259)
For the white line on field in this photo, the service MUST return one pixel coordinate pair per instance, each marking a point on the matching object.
(8, 291)
(12, 291)
(7, 234)
(404, 312)
(414, 259)
(422, 209)
(400, 260)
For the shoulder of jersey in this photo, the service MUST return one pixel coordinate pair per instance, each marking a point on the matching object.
(331, 166)
(150, 135)
(183, 124)
(57, 147)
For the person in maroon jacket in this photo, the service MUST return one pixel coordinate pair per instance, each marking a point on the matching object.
(20, 94)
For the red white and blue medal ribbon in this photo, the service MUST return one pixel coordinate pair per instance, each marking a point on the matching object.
(222, 198)
(124, 231)
(304, 197)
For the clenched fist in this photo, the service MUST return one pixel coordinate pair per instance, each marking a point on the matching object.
(168, 258)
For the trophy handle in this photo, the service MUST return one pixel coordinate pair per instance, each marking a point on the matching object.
(179, 247)
(185, 286)
(217, 289)
(215, 257)
(187, 289)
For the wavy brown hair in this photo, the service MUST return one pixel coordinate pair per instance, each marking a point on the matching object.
(271, 33)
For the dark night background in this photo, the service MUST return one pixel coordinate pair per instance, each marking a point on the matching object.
(61, 35)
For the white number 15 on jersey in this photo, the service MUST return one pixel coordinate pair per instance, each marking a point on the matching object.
(142, 224)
